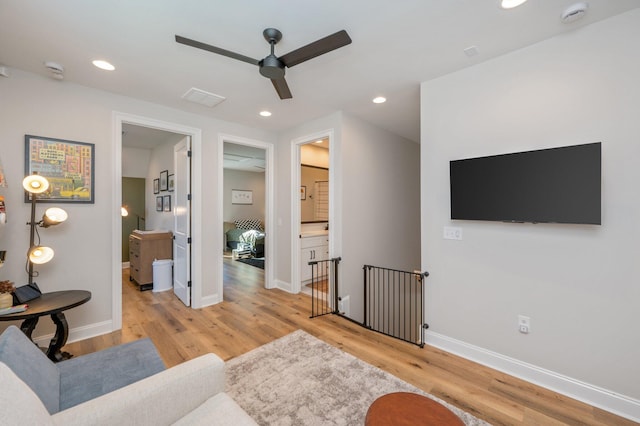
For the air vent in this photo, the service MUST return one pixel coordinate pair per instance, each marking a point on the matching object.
(201, 97)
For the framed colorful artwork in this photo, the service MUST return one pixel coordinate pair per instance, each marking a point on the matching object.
(67, 165)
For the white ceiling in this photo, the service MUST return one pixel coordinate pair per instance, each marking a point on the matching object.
(396, 45)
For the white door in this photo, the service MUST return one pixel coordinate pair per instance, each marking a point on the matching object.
(182, 221)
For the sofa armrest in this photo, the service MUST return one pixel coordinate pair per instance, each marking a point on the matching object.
(90, 376)
(160, 399)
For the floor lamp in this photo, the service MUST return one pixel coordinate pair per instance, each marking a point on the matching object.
(34, 185)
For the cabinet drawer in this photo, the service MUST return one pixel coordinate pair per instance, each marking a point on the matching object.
(314, 241)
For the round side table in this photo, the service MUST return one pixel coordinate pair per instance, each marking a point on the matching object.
(409, 409)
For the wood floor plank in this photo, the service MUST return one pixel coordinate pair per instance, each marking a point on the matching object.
(251, 316)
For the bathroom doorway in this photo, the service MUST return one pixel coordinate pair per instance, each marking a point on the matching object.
(313, 205)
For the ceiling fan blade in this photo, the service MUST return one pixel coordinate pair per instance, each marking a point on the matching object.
(317, 48)
(282, 88)
(219, 51)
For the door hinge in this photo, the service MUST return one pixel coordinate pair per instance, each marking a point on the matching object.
(189, 284)
(189, 240)
(188, 197)
(189, 153)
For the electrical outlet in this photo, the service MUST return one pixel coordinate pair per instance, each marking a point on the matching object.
(524, 324)
(452, 233)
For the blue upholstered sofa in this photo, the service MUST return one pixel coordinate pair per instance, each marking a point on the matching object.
(122, 385)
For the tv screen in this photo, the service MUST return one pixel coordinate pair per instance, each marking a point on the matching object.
(557, 185)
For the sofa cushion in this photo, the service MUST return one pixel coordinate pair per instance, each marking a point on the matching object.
(32, 366)
(19, 405)
(219, 410)
(92, 375)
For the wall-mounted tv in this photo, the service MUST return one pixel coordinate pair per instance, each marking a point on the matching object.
(556, 185)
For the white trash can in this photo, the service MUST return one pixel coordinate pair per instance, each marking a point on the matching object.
(162, 275)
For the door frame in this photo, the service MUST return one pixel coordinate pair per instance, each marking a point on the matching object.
(296, 285)
(269, 219)
(118, 119)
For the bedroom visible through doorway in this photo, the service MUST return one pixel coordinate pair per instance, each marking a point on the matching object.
(244, 212)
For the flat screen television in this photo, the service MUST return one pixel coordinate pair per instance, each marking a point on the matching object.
(556, 185)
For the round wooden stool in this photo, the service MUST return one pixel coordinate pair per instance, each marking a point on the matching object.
(404, 408)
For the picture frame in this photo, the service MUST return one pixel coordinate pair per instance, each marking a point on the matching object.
(166, 203)
(164, 180)
(159, 205)
(241, 196)
(156, 186)
(67, 165)
(303, 192)
(172, 182)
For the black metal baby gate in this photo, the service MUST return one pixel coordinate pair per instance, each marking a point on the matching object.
(393, 303)
(324, 286)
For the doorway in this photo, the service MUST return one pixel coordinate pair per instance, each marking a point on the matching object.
(246, 192)
(313, 228)
(123, 123)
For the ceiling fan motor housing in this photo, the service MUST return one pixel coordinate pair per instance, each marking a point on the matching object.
(272, 67)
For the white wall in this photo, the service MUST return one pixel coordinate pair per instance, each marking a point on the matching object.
(135, 162)
(579, 284)
(41, 106)
(161, 159)
(381, 205)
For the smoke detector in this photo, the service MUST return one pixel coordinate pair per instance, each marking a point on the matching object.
(57, 70)
(574, 12)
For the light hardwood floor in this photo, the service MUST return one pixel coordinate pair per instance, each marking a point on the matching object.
(251, 316)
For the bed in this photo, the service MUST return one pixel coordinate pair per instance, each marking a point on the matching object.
(243, 234)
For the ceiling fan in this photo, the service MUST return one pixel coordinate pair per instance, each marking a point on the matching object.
(272, 66)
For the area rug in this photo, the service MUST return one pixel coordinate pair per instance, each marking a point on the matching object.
(300, 380)
(258, 263)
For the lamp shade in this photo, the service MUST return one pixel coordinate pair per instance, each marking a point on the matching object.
(35, 184)
(53, 216)
(40, 255)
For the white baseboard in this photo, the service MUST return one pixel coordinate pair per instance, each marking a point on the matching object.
(79, 333)
(210, 301)
(283, 285)
(593, 395)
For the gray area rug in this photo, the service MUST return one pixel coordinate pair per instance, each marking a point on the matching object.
(300, 380)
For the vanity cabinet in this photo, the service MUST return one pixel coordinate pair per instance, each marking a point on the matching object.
(144, 248)
(312, 248)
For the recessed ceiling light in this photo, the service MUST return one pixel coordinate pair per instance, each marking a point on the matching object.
(319, 141)
(265, 113)
(379, 100)
(510, 4)
(103, 65)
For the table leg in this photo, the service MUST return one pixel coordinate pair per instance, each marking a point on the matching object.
(28, 326)
(59, 339)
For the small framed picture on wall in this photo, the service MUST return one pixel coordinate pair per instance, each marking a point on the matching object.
(159, 203)
(156, 186)
(172, 182)
(166, 203)
(164, 180)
